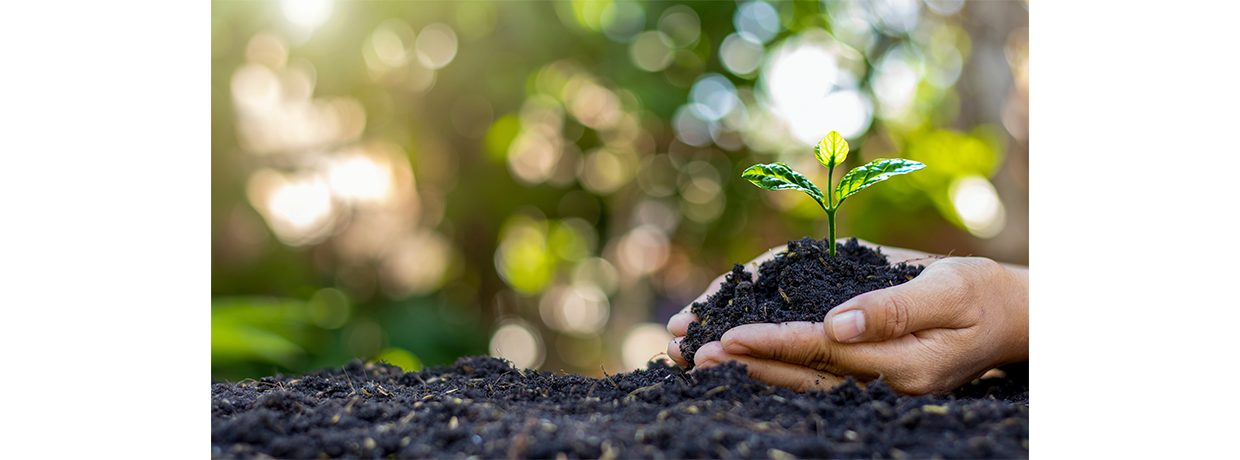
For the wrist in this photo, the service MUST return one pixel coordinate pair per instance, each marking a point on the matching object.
(1016, 303)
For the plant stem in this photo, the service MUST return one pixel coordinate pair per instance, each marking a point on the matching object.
(830, 209)
(831, 233)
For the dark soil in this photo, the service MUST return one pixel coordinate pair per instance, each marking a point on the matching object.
(800, 284)
(481, 407)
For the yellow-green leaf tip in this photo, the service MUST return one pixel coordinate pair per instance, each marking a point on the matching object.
(832, 150)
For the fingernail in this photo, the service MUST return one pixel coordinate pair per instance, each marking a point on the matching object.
(848, 325)
(676, 341)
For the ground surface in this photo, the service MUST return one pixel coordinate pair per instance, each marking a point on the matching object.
(481, 407)
(802, 284)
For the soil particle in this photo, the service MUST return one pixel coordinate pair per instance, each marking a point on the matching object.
(801, 284)
(482, 407)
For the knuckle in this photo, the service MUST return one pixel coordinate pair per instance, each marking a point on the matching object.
(967, 281)
(895, 311)
(958, 280)
(918, 387)
(821, 358)
(918, 383)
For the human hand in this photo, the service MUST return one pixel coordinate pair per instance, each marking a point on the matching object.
(961, 317)
(678, 324)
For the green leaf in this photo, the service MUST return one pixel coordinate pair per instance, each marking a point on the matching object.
(778, 176)
(872, 173)
(832, 150)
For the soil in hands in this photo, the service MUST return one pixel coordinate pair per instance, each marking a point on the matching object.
(800, 284)
(482, 407)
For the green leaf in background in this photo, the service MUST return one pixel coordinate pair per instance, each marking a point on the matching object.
(831, 150)
(778, 176)
(872, 173)
(400, 357)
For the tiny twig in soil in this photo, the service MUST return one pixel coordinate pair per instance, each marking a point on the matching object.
(346, 377)
(613, 382)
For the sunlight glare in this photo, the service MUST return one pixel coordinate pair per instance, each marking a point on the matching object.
(803, 88)
(978, 205)
(299, 209)
(357, 177)
(642, 343)
(307, 13)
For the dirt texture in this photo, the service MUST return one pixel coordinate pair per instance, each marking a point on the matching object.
(801, 284)
(481, 407)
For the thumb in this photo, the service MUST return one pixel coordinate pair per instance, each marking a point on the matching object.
(934, 299)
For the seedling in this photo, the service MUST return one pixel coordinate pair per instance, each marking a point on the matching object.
(830, 152)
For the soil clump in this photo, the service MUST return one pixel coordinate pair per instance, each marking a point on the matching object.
(801, 284)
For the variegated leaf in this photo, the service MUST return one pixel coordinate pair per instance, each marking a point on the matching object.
(872, 173)
(778, 176)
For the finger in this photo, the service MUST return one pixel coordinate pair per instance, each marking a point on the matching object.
(805, 344)
(678, 324)
(799, 378)
(797, 342)
(935, 299)
(673, 351)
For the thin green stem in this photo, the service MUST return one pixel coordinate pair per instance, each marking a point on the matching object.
(830, 171)
(831, 232)
(830, 209)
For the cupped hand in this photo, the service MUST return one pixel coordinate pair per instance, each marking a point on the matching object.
(961, 317)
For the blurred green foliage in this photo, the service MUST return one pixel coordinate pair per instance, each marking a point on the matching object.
(396, 180)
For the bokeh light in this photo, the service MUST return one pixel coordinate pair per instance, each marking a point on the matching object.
(895, 80)
(896, 16)
(415, 264)
(299, 209)
(945, 7)
(516, 341)
(758, 19)
(580, 309)
(650, 51)
(680, 26)
(690, 128)
(803, 87)
(436, 46)
(643, 343)
(524, 259)
(713, 96)
(306, 13)
(740, 54)
(358, 177)
(329, 308)
(623, 21)
(642, 251)
(978, 205)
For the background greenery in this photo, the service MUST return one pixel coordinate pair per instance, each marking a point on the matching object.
(549, 181)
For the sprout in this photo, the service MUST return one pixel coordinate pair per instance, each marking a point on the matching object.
(831, 151)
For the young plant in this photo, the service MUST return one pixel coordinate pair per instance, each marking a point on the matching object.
(830, 152)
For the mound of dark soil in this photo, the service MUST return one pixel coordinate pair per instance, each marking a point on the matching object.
(482, 407)
(800, 284)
